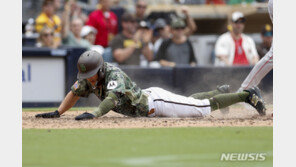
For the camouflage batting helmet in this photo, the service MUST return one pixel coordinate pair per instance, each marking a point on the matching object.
(89, 63)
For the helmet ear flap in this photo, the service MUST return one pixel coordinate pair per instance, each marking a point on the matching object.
(101, 72)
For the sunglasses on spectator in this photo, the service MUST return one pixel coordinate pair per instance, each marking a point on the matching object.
(47, 34)
(141, 6)
(179, 28)
(240, 21)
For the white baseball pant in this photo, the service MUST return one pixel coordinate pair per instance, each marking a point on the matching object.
(167, 104)
(263, 66)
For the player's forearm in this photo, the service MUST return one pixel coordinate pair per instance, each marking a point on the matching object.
(69, 101)
(106, 105)
(121, 55)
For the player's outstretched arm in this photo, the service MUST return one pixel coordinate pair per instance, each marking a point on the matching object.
(105, 106)
(69, 101)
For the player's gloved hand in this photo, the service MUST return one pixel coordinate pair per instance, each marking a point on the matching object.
(55, 114)
(84, 116)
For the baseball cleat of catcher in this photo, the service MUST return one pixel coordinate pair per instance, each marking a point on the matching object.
(255, 100)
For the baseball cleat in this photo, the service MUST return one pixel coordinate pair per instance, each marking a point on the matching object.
(224, 89)
(255, 100)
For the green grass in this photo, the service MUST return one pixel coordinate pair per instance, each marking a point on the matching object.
(165, 147)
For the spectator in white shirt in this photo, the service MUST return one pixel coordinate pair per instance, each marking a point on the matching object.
(234, 47)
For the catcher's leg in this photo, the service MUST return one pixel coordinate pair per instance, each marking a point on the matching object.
(206, 95)
(259, 71)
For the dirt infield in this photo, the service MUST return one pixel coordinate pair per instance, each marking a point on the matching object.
(239, 115)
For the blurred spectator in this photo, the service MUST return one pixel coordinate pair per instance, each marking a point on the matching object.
(57, 5)
(234, 47)
(49, 19)
(216, 2)
(46, 38)
(235, 2)
(191, 26)
(141, 7)
(71, 31)
(105, 22)
(89, 33)
(161, 33)
(58, 8)
(177, 50)
(128, 46)
(119, 11)
(145, 34)
(76, 11)
(266, 36)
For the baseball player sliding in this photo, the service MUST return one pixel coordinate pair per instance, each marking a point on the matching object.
(120, 94)
(263, 66)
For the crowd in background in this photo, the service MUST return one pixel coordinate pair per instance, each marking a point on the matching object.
(132, 39)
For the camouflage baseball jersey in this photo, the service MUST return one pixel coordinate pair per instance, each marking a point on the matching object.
(131, 100)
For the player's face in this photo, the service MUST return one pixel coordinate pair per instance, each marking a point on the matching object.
(93, 80)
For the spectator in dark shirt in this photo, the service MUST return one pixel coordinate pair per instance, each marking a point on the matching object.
(128, 46)
(266, 36)
(178, 50)
(105, 22)
(161, 33)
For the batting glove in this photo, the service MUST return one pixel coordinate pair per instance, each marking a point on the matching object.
(55, 114)
(84, 116)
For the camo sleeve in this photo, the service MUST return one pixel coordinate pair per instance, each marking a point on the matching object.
(116, 84)
(81, 88)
